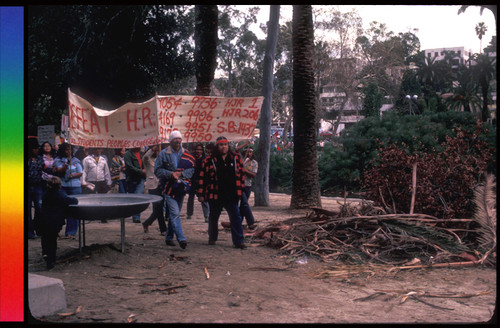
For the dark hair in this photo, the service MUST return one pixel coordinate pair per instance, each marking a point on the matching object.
(118, 151)
(198, 144)
(210, 146)
(80, 153)
(61, 152)
(33, 144)
(54, 183)
(52, 150)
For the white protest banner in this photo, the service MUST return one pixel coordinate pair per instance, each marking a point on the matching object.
(203, 119)
(198, 118)
(131, 125)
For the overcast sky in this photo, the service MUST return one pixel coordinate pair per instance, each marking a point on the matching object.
(439, 26)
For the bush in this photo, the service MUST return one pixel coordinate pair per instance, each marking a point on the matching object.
(416, 134)
(280, 172)
(445, 179)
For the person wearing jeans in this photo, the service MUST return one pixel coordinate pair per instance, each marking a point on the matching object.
(221, 183)
(135, 175)
(175, 167)
(199, 155)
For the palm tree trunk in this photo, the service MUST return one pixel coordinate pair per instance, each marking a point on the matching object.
(205, 55)
(263, 150)
(305, 180)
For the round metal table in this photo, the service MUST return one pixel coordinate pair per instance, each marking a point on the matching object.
(93, 207)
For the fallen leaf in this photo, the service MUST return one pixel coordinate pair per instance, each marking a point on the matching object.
(131, 318)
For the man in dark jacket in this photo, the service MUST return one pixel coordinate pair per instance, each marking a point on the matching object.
(55, 203)
(135, 175)
(221, 183)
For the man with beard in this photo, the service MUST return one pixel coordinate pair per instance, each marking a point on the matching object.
(221, 183)
(174, 167)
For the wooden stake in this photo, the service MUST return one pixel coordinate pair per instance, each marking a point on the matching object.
(414, 187)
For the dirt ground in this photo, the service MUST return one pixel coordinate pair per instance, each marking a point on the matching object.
(154, 283)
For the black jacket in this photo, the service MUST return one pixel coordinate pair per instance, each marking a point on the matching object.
(54, 210)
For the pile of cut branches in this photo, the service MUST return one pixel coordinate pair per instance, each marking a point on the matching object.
(367, 234)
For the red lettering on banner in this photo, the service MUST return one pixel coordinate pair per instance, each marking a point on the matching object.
(84, 120)
(254, 102)
(94, 122)
(78, 117)
(169, 102)
(71, 116)
(132, 120)
(204, 102)
(220, 127)
(120, 143)
(146, 114)
(231, 102)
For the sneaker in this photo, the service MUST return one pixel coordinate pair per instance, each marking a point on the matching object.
(183, 244)
(188, 217)
(136, 220)
(145, 227)
(252, 226)
(169, 242)
(211, 242)
(242, 246)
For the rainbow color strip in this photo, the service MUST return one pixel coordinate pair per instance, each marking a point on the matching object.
(12, 164)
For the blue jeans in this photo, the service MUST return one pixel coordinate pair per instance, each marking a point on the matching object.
(174, 206)
(233, 211)
(245, 210)
(190, 206)
(34, 196)
(122, 186)
(136, 187)
(72, 224)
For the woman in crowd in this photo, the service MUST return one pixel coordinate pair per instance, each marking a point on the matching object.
(69, 170)
(48, 154)
(117, 170)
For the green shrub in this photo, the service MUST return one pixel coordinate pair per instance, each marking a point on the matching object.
(280, 171)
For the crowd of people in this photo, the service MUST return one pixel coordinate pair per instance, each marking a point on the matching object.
(215, 173)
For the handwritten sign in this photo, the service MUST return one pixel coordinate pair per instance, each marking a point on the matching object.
(45, 133)
(199, 119)
(203, 119)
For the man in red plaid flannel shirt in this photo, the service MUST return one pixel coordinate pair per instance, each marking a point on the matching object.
(221, 183)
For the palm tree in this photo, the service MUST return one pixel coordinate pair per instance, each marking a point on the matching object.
(464, 92)
(205, 56)
(484, 71)
(305, 179)
(480, 31)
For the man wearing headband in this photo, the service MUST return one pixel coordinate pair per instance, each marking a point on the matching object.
(221, 184)
(174, 167)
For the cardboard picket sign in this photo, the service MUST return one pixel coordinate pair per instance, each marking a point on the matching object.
(198, 118)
